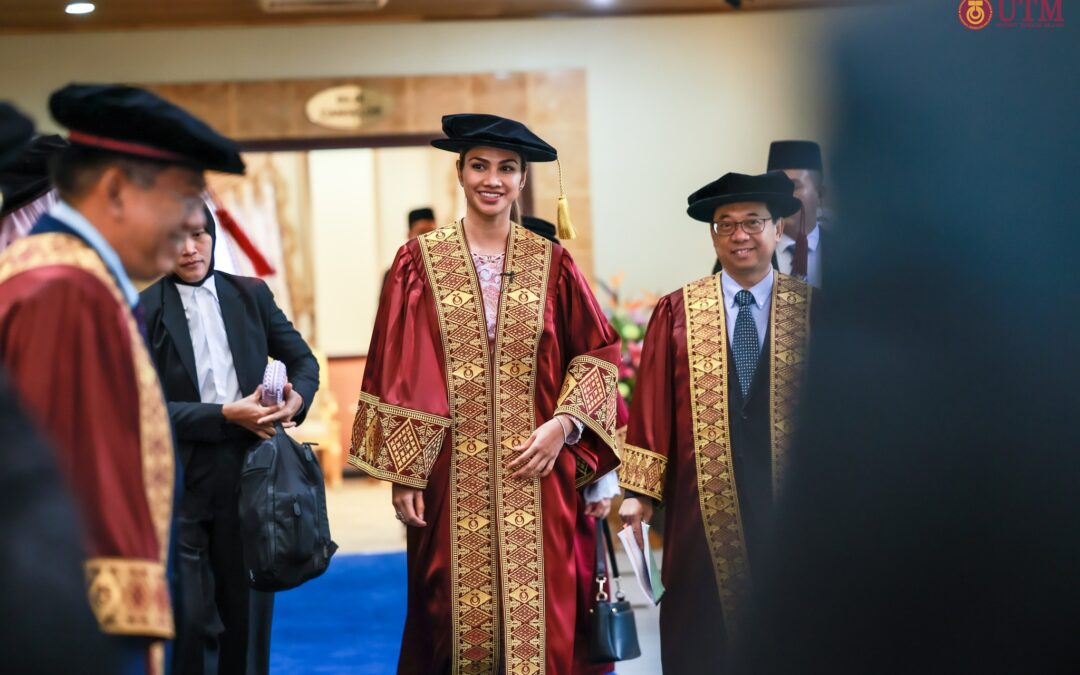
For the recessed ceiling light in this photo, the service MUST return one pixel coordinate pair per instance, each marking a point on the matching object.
(80, 8)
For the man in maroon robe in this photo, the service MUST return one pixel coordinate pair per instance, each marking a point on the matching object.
(70, 337)
(712, 414)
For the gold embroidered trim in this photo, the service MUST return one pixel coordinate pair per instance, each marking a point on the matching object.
(706, 337)
(588, 393)
(492, 519)
(790, 323)
(155, 432)
(130, 597)
(394, 443)
(707, 347)
(643, 471)
(521, 540)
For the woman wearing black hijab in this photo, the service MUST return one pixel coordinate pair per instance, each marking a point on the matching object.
(210, 336)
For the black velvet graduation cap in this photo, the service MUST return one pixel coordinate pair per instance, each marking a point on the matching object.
(420, 214)
(541, 227)
(469, 130)
(15, 131)
(133, 121)
(773, 188)
(27, 177)
(794, 155)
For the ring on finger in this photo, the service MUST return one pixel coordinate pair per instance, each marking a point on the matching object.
(399, 516)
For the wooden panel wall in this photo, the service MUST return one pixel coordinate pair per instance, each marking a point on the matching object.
(551, 103)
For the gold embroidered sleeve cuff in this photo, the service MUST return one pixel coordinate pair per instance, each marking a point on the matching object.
(130, 597)
(396, 444)
(642, 471)
(588, 393)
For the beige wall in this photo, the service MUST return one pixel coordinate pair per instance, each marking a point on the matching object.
(673, 102)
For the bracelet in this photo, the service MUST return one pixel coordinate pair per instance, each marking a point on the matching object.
(565, 433)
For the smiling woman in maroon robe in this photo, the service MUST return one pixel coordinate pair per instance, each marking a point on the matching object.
(488, 399)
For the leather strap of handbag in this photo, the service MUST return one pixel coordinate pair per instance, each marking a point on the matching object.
(603, 539)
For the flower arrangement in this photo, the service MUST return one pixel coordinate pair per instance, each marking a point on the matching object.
(629, 317)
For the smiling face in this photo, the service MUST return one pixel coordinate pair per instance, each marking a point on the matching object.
(492, 179)
(746, 257)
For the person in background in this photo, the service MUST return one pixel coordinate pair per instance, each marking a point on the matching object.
(799, 251)
(421, 221)
(28, 190)
(711, 417)
(71, 338)
(210, 336)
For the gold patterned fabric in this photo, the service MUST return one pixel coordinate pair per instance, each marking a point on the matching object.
(129, 597)
(138, 611)
(707, 348)
(395, 443)
(643, 471)
(589, 393)
(497, 538)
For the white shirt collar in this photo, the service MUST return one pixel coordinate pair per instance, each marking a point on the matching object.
(762, 291)
(186, 292)
(66, 214)
(812, 239)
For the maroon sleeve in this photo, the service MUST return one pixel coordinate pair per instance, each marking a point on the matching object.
(403, 413)
(590, 381)
(652, 410)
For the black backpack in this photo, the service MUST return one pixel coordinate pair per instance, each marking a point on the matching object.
(285, 530)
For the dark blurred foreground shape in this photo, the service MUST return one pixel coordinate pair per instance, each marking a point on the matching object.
(931, 520)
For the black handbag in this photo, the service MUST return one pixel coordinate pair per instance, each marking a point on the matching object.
(284, 526)
(612, 631)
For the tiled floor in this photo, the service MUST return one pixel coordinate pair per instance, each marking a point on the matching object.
(362, 521)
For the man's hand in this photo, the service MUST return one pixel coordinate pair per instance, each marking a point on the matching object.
(540, 450)
(635, 511)
(599, 509)
(283, 412)
(249, 413)
(409, 505)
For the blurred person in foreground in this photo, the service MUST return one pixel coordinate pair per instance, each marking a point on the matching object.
(72, 338)
(931, 521)
(41, 563)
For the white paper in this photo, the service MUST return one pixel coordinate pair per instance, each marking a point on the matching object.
(645, 570)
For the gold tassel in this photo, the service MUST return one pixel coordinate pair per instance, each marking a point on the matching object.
(564, 228)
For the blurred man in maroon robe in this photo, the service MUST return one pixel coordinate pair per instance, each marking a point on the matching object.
(712, 414)
(488, 400)
(71, 338)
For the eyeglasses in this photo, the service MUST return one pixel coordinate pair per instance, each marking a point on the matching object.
(752, 226)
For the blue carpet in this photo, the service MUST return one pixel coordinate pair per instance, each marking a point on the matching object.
(346, 622)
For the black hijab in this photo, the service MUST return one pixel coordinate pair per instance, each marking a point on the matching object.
(211, 230)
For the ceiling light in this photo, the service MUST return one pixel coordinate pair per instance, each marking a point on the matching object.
(80, 8)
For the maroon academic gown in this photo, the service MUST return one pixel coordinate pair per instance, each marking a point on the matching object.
(660, 460)
(70, 344)
(492, 578)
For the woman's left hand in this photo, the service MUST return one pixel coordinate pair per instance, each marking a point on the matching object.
(540, 451)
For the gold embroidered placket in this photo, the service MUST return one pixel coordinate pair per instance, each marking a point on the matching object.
(790, 321)
(492, 516)
(706, 334)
